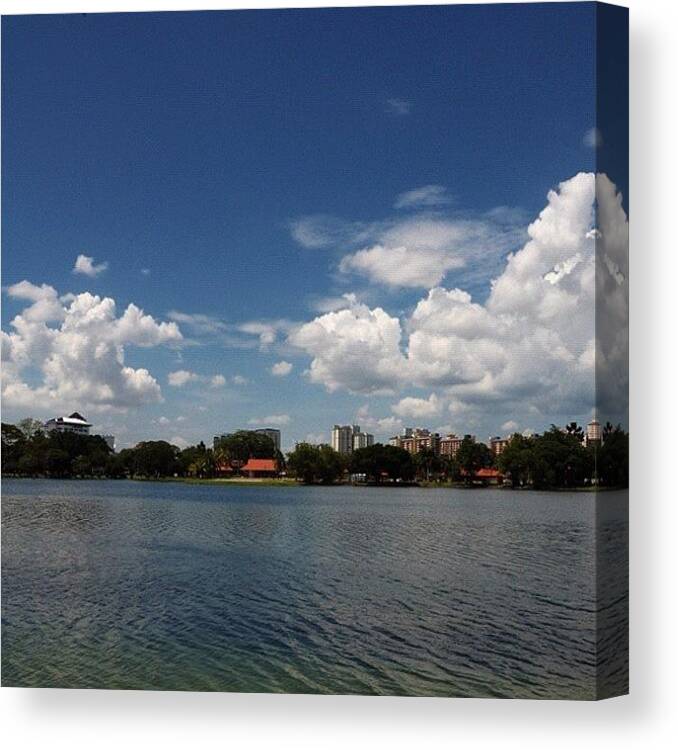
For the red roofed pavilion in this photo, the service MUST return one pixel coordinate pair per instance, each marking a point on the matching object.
(260, 467)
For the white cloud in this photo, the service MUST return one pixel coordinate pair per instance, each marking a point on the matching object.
(426, 197)
(418, 408)
(46, 303)
(273, 420)
(400, 107)
(378, 425)
(420, 251)
(531, 341)
(247, 335)
(179, 378)
(511, 426)
(281, 369)
(85, 265)
(179, 442)
(320, 230)
(75, 345)
(266, 330)
(355, 348)
(239, 380)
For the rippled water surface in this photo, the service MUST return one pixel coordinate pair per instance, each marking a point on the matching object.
(327, 590)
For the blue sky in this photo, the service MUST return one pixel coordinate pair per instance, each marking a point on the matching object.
(232, 174)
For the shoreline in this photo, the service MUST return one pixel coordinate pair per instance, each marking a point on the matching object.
(289, 482)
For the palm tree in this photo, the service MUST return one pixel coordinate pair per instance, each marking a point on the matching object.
(575, 430)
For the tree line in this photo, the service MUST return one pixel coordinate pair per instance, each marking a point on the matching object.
(557, 458)
(27, 450)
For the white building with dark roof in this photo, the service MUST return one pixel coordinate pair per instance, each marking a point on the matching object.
(72, 423)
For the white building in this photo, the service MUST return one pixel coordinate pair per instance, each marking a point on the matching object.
(342, 438)
(361, 439)
(73, 423)
(594, 433)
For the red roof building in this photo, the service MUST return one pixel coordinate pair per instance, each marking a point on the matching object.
(486, 476)
(260, 467)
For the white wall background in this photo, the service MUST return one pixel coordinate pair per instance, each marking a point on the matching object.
(99, 719)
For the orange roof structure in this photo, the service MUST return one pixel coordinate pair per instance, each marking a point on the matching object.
(488, 474)
(261, 464)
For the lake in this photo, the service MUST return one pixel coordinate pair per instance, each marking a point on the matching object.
(399, 591)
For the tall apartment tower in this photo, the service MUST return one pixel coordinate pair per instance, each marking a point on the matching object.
(342, 438)
(594, 433)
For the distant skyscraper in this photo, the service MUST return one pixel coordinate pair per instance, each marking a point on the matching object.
(273, 434)
(594, 433)
(342, 438)
(361, 439)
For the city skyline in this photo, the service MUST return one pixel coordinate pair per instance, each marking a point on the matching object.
(267, 263)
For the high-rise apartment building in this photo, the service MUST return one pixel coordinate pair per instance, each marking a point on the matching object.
(594, 433)
(349, 438)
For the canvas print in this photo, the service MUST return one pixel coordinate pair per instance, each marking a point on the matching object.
(315, 351)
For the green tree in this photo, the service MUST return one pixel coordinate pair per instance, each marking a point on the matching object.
(575, 430)
(312, 464)
(303, 461)
(331, 465)
(515, 459)
(613, 459)
(558, 459)
(238, 447)
(30, 427)
(156, 458)
(473, 456)
(58, 463)
(13, 447)
(82, 466)
(379, 462)
(427, 464)
(450, 468)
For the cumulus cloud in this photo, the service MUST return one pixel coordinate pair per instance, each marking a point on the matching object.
(418, 408)
(510, 426)
(69, 352)
(378, 425)
(273, 420)
(281, 369)
(532, 340)
(179, 378)
(85, 265)
(426, 197)
(356, 348)
(217, 381)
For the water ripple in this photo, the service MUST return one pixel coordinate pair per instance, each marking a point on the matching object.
(332, 590)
